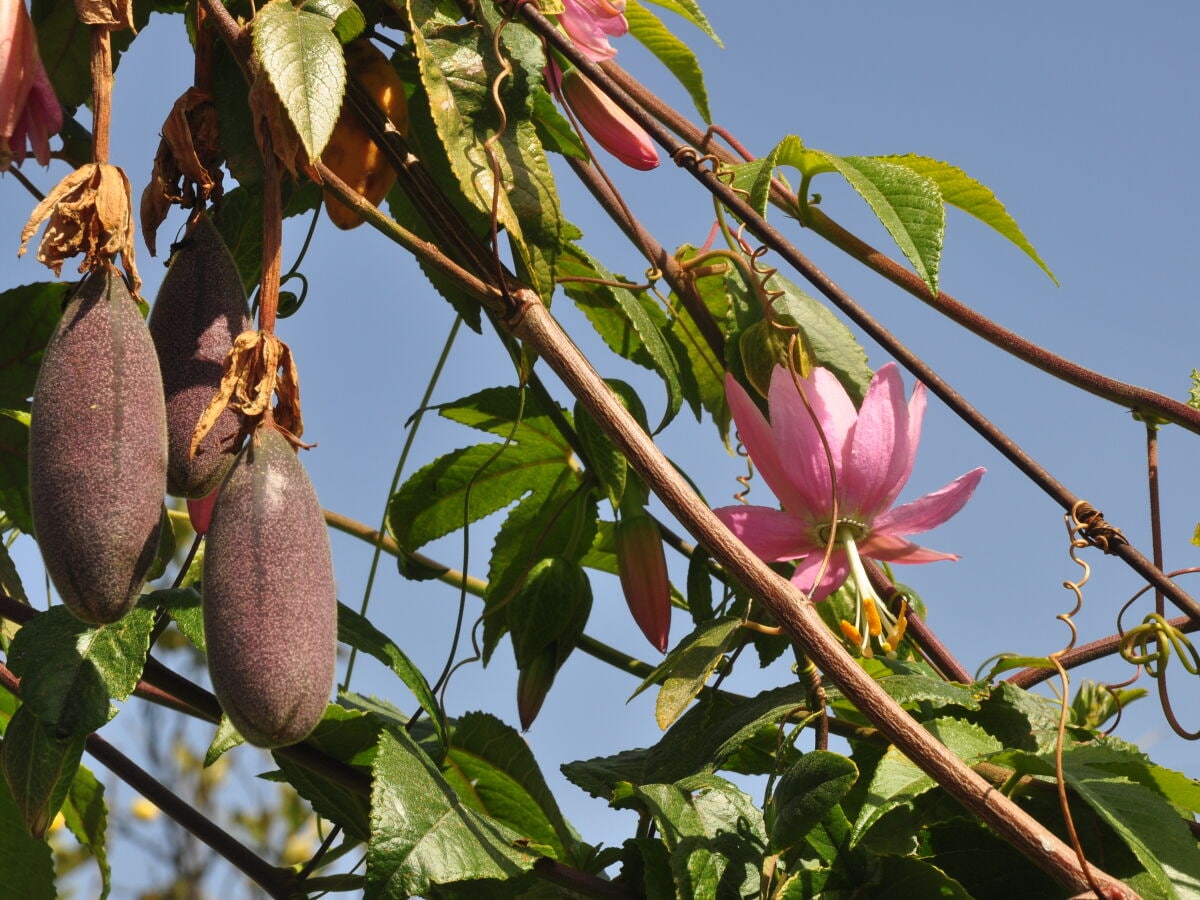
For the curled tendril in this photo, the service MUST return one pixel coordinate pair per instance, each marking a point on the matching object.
(1149, 645)
(744, 480)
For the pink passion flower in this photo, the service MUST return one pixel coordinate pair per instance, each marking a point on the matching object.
(590, 23)
(29, 110)
(872, 449)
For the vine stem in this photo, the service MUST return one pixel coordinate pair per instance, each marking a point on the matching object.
(102, 78)
(688, 159)
(1141, 400)
(534, 325)
(277, 882)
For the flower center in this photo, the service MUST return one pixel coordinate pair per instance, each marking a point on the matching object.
(845, 529)
(874, 625)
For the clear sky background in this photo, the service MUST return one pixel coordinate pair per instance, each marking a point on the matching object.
(1081, 118)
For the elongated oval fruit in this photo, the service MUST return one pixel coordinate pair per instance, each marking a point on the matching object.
(270, 606)
(350, 152)
(200, 309)
(98, 451)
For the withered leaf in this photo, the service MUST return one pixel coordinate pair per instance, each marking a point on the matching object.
(117, 14)
(89, 212)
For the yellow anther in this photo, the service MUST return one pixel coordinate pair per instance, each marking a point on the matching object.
(874, 626)
(851, 633)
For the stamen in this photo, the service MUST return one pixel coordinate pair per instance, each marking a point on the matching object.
(850, 632)
(874, 626)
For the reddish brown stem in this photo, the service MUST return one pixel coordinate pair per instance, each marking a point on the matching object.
(272, 248)
(102, 76)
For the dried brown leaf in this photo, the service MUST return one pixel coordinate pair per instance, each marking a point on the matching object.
(89, 212)
(117, 14)
(252, 375)
(186, 165)
(267, 111)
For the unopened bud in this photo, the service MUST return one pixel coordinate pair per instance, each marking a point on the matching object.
(610, 125)
(200, 512)
(642, 566)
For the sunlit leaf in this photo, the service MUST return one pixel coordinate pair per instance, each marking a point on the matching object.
(805, 794)
(70, 671)
(303, 59)
(961, 190)
(690, 10)
(671, 52)
(39, 768)
(422, 834)
(688, 666)
(86, 815)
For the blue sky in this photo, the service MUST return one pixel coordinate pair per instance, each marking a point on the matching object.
(1082, 119)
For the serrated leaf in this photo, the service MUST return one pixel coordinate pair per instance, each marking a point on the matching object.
(39, 768)
(224, 739)
(907, 689)
(687, 667)
(554, 129)
(909, 877)
(351, 737)
(509, 413)
(907, 203)
(423, 835)
(671, 52)
(26, 863)
(493, 770)
(1144, 821)
(701, 741)
(898, 780)
(961, 190)
(714, 832)
(631, 324)
(690, 10)
(805, 794)
(356, 631)
(86, 815)
(70, 671)
(303, 60)
(348, 20)
(458, 68)
(183, 606)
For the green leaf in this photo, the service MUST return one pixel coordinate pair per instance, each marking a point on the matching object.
(606, 462)
(423, 835)
(26, 862)
(14, 468)
(458, 68)
(714, 832)
(907, 203)
(690, 10)
(549, 611)
(493, 771)
(1139, 815)
(705, 370)
(86, 815)
(348, 20)
(303, 60)
(558, 522)
(688, 666)
(350, 737)
(913, 689)
(554, 129)
(28, 317)
(671, 52)
(898, 781)
(39, 768)
(355, 631)
(805, 794)
(701, 741)
(183, 606)
(909, 877)
(507, 412)
(70, 671)
(961, 190)
(225, 739)
(10, 579)
(631, 324)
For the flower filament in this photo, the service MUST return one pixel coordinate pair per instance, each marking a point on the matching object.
(874, 623)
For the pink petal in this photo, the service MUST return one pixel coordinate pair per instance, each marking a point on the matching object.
(916, 415)
(18, 63)
(834, 575)
(590, 24)
(878, 456)
(798, 435)
(893, 549)
(755, 434)
(770, 534)
(931, 510)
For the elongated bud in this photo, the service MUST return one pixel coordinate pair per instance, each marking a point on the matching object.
(610, 125)
(533, 684)
(642, 566)
(200, 512)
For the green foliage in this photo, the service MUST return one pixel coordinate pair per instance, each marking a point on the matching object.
(39, 768)
(26, 863)
(688, 666)
(302, 57)
(671, 52)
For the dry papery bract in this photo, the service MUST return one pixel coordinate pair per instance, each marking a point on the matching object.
(117, 14)
(252, 375)
(89, 212)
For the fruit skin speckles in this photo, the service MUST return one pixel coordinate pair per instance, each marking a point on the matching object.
(200, 309)
(270, 604)
(98, 451)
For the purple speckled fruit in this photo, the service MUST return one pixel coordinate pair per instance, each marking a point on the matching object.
(98, 451)
(199, 311)
(270, 606)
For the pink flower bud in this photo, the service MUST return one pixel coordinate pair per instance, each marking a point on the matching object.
(642, 566)
(29, 110)
(533, 684)
(590, 23)
(200, 512)
(610, 125)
